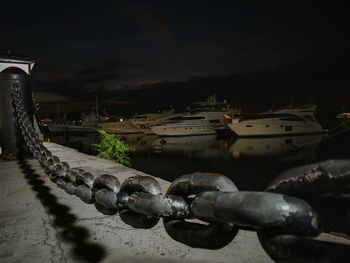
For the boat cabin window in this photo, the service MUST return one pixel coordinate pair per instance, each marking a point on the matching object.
(288, 128)
(185, 118)
(292, 118)
(309, 118)
(281, 116)
(200, 106)
(214, 121)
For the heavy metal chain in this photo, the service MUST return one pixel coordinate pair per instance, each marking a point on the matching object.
(212, 198)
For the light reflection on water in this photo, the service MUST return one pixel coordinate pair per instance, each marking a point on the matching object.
(292, 149)
(250, 162)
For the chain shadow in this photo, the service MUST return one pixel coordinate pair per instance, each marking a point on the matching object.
(64, 220)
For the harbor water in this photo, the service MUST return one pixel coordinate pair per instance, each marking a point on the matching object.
(251, 163)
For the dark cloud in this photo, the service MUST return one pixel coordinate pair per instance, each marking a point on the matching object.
(152, 27)
(89, 79)
(97, 75)
(77, 91)
(100, 69)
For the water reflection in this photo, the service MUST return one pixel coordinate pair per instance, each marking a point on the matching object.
(287, 149)
(250, 162)
(203, 146)
(144, 144)
(81, 143)
(292, 149)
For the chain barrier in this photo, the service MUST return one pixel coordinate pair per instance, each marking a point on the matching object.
(203, 210)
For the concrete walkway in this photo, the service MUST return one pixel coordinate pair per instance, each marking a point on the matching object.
(39, 222)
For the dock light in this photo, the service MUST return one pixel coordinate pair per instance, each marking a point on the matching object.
(121, 120)
(227, 117)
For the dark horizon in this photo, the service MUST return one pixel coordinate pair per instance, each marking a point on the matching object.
(303, 82)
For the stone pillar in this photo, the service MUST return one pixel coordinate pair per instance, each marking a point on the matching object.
(14, 71)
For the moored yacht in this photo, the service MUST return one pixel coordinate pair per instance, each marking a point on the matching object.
(68, 127)
(119, 127)
(286, 121)
(201, 123)
(203, 118)
(144, 122)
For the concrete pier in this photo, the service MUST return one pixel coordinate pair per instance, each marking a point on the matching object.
(39, 222)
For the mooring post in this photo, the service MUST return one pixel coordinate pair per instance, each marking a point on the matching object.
(14, 70)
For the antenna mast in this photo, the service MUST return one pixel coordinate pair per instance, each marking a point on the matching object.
(97, 115)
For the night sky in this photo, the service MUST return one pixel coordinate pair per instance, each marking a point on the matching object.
(147, 55)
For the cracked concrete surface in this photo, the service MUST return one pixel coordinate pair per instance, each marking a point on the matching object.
(39, 222)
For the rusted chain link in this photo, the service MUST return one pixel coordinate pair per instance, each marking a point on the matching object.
(209, 198)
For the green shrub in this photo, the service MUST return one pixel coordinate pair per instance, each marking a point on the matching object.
(111, 148)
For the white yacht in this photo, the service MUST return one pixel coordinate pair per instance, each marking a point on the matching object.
(286, 121)
(203, 118)
(119, 127)
(201, 123)
(144, 122)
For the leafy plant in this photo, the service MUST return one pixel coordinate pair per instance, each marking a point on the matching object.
(111, 148)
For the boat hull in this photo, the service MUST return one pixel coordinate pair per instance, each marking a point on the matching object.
(61, 128)
(144, 122)
(147, 131)
(119, 127)
(165, 130)
(251, 129)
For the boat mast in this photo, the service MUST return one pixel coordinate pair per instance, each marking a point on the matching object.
(291, 99)
(58, 111)
(97, 115)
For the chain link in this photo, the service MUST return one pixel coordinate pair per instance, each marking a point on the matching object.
(200, 209)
